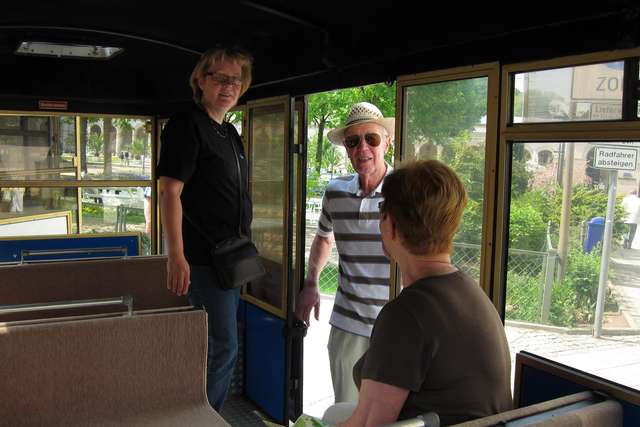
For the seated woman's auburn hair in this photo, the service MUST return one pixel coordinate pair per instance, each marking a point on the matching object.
(425, 200)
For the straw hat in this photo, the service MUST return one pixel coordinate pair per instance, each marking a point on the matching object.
(362, 112)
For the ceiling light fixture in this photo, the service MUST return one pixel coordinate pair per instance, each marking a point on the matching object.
(58, 50)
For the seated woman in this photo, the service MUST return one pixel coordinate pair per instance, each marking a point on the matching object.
(440, 345)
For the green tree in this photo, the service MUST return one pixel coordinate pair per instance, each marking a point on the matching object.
(95, 144)
(234, 117)
(468, 162)
(440, 120)
(331, 159)
(587, 201)
(470, 230)
(322, 113)
(440, 111)
(520, 178)
(123, 124)
(527, 229)
(533, 210)
(138, 147)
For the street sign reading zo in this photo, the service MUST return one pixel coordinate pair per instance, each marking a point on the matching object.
(617, 158)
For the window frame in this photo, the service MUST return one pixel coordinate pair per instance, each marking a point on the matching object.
(584, 131)
(491, 71)
(78, 183)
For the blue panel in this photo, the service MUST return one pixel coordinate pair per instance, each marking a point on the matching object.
(264, 361)
(538, 386)
(11, 248)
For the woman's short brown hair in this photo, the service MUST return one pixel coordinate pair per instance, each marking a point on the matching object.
(426, 200)
(214, 56)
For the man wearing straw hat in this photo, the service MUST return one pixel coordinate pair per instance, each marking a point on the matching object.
(350, 219)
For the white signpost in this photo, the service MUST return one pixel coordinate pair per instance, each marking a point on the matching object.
(615, 158)
(612, 158)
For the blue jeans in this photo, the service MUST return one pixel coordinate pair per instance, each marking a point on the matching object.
(221, 307)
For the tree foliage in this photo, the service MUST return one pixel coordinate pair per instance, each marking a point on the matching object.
(332, 158)
(527, 228)
(123, 124)
(138, 147)
(542, 207)
(234, 117)
(467, 160)
(95, 144)
(440, 111)
(587, 201)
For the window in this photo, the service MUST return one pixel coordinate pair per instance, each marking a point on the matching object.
(37, 148)
(564, 213)
(580, 93)
(545, 157)
(447, 121)
(115, 148)
(46, 166)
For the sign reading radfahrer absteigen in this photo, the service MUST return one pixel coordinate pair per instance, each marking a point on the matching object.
(617, 158)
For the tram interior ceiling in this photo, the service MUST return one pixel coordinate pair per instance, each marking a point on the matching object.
(299, 47)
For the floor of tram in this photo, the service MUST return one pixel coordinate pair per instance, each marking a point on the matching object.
(239, 411)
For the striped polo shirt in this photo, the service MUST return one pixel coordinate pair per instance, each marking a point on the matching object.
(353, 219)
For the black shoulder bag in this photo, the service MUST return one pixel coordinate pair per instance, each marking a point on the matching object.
(235, 261)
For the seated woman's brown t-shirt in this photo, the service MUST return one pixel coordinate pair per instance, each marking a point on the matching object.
(442, 340)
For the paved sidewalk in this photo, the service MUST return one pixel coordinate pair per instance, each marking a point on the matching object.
(616, 358)
(317, 387)
(625, 266)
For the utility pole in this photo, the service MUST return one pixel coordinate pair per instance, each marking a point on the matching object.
(560, 171)
(565, 215)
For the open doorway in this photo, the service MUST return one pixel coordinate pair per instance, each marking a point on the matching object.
(325, 161)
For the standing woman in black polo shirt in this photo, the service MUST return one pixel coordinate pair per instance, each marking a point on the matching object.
(200, 201)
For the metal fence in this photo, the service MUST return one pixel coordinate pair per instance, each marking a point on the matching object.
(466, 257)
(530, 276)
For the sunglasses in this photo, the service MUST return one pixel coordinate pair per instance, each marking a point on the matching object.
(373, 139)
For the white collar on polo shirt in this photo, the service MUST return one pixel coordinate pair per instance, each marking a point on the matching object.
(354, 184)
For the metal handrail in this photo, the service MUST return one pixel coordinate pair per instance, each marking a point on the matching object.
(35, 252)
(61, 305)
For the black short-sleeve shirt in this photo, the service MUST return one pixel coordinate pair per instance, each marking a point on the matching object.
(198, 151)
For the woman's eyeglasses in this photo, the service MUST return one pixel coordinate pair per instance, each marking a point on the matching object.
(373, 139)
(224, 80)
